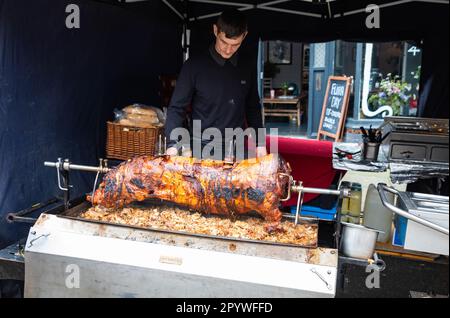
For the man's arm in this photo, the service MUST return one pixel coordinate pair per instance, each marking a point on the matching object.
(254, 117)
(181, 98)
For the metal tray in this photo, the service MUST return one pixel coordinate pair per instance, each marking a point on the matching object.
(416, 202)
(408, 208)
(75, 212)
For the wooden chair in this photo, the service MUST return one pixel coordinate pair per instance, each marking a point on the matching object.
(267, 86)
(167, 86)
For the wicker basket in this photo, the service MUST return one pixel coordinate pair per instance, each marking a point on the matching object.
(125, 142)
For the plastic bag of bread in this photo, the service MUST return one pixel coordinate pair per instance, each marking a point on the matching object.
(145, 113)
(138, 115)
(144, 118)
(140, 124)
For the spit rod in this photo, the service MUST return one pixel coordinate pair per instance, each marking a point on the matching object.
(70, 166)
(299, 188)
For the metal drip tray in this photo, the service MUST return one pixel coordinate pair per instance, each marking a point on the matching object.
(421, 221)
(417, 203)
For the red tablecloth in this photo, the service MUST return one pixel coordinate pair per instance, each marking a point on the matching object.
(310, 160)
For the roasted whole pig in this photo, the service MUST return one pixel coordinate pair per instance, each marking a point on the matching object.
(206, 186)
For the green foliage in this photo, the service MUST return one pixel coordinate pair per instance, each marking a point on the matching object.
(285, 88)
(392, 92)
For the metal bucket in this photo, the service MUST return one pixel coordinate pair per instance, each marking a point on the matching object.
(370, 151)
(358, 241)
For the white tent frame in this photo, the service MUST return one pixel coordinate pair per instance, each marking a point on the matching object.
(271, 6)
(245, 7)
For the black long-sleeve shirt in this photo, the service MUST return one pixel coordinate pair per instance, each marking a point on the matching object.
(223, 94)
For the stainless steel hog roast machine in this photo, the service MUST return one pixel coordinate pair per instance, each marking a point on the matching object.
(180, 227)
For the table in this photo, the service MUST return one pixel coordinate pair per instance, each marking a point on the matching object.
(279, 111)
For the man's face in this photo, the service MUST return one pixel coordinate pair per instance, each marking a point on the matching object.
(226, 47)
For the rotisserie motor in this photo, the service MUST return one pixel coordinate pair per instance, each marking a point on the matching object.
(206, 186)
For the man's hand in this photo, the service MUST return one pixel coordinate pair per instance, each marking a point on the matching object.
(172, 151)
(261, 152)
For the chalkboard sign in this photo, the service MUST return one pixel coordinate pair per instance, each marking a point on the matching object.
(335, 106)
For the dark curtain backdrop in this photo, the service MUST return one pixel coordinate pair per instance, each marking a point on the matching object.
(59, 86)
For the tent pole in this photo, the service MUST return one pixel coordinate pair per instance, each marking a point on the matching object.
(216, 14)
(329, 10)
(379, 6)
(396, 3)
(314, 15)
(271, 3)
(226, 3)
(186, 42)
(173, 9)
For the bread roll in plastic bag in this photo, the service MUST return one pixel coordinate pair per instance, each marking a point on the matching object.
(150, 111)
(143, 118)
(138, 115)
(139, 124)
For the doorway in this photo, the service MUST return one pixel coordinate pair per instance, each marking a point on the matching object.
(285, 86)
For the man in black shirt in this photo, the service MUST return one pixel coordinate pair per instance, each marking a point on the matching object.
(222, 90)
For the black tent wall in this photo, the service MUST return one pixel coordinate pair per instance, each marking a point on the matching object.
(434, 96)
(59, 86)
(424, 24)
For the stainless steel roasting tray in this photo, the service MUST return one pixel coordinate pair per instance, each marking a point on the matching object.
(75, 214)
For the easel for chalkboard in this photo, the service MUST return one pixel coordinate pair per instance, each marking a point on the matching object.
(335, 106)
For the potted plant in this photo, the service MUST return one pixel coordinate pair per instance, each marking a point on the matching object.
(392, 92)
(285, 88)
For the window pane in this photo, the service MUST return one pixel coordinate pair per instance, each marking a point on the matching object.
(345, 59)
(390, 79)
(345, 65)
(320, 50)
